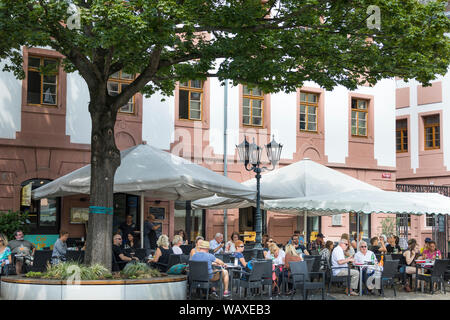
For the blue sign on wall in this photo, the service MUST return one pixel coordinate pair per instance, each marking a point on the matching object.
(41, 241)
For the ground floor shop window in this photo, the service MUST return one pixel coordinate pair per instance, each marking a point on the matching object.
(247, 220)
(364, 224)
(192, 222)
(43, 214)
(125, 204)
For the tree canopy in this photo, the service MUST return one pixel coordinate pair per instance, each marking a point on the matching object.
(275, 44)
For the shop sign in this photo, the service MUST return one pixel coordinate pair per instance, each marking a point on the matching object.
(41, 241)
(386, 175)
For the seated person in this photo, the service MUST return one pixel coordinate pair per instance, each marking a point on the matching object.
(60, 248)
(277, 254)
(120, 257)
(131, 245)
(392, 246)
(411, 255)
(301, 249)
(291, 255)
(349, 252)
(425, 246)
(239, 246)
(364, 256)
(217, 244)
(204, 255)
(266, 250)
(196, 249)
(24, 248)
(325, 254)
(161, 258)
(176, 243)
(315, 246)
(339, 264)
(230, 247)
(431, 253)
(377, 245)
(5, 254)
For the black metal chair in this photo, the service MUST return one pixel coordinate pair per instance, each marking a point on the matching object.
(249, 254)
(252, 279)
(184, 258)
(331, 278)
(186, 248)
(77, 256)
(198, 278)
(267, 275)
(300, 277)
(390, 269)
(436, 276)
(40, 261)
(140, 254)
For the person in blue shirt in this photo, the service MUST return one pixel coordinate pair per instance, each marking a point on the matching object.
(217, 244)
(238, 253)
(204, 255)
(60, 248)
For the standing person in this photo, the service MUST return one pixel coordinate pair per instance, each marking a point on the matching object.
(431, 253)
(411, 255)
(230, 247)
(339, 261)
(204, 255)
(154, 231)
(177, 241)
(126, 227)
(60, 248)
(316, 245)
(5, 253)
(196, 248)
(23, 247)
(217, 244)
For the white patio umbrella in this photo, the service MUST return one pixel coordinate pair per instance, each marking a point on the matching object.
(149, 171)
(300, 179)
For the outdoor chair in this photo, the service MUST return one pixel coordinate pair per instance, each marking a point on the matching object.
(140, 254)
(186, 248)
(331, 278)
(388, 257)
(267, 275)
(198, 278)
(184, 258)
(252, 279)
(317, 261)
(41, 258)
(77, 256)
(249, 254)
(173, 260)
(117, 265)
(436, 276)
(301, 277)
(390, 268)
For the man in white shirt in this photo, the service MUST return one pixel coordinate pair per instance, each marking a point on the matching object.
(217, 243)
(339, 265)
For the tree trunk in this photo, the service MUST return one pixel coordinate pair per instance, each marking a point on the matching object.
(105, 159)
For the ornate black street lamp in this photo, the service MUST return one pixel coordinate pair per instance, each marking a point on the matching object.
(250, 154)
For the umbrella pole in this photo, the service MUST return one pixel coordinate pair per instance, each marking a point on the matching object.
(305, 225)
(357, 230)
(142, 219)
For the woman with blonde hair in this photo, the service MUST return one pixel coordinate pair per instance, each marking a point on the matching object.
(176, 243)
(5, 252)
(291, 255)
(277, 253)
(196, 248)
(162, 253)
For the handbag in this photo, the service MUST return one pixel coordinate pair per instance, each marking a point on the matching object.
(177, 269)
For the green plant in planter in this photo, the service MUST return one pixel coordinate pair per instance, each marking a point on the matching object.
(32, 274)
(11, 221)
(139, 270)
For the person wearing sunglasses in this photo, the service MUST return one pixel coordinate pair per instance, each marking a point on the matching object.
(339, 265)
(266, 250)
(239, 245)
(364, 256)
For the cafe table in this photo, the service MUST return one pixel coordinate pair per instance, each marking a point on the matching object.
(232, 268)
(425, 265)
(361, 266)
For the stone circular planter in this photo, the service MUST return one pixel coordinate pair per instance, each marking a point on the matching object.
(170, 287)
